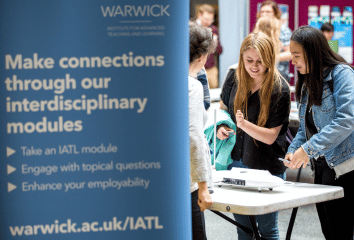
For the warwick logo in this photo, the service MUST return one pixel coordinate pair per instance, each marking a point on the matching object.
(135, 11)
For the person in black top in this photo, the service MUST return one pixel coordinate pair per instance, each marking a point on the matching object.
(258, 100)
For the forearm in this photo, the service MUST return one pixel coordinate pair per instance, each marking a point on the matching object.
(285, 56)
(298, 140)
(329, 137)
(202, 186)
(262, 134)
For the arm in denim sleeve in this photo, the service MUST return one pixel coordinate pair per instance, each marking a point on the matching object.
(342, 124)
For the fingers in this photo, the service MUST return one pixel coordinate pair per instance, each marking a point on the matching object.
(287, 164)
(239, 119)
(288, 157)
(203, 205)
(239, 114)
(294, 163)
(298, 159)
(204, 199)
(305, 163)
(222, 133)
(297, 163)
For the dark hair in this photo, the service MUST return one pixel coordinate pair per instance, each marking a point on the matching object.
(200, 41)
(318, 55)
(327, 27)
(275, 7)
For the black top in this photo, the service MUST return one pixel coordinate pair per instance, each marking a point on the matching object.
(310, 124)
(256, 154)
(311, 130)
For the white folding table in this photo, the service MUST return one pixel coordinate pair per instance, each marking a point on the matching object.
(252, 202)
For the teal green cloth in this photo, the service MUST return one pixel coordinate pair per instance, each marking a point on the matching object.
(223, 147)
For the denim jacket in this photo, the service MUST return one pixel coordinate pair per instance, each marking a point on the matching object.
(334, 121)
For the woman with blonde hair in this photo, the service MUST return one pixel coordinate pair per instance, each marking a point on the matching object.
(270, 9)
(258, 100)
(271, 27)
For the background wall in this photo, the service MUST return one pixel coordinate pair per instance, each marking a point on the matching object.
(304, 4)
(233, 29)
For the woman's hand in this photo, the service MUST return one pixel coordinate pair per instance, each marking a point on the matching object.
(288, 157)
(240, 119)
(223, 132)
(298, 159)
(204, 199)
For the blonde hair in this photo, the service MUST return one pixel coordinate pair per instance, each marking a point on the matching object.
(271, 27)
(272, 78)
(206, 8)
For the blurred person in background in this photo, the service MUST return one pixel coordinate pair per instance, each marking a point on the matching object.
(271, 27)
(205, 17)
(270, 9)
(328, 30)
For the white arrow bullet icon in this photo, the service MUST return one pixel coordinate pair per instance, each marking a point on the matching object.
(10, 187)
(10, 169)
(9, 151)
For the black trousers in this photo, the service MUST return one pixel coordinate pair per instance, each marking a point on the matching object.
(198, 222)
(336, 216)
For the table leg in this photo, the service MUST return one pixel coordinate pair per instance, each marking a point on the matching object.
(245, 229)
(291, 224)
(255, 228)
(294, 212)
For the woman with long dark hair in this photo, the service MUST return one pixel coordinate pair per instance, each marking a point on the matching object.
(325, 91)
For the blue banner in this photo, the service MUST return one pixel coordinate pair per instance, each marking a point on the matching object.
(94, 120)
